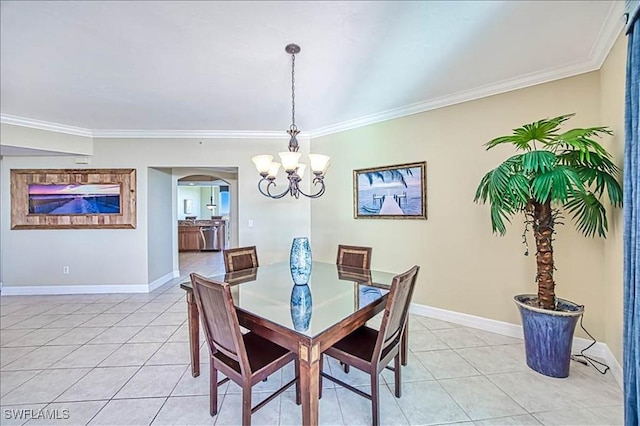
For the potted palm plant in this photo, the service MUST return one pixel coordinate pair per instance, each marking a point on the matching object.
(554, 172)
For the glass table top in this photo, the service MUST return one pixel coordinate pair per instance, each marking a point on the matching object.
(332, 294)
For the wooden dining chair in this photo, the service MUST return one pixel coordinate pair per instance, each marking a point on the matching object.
(360, 257)
(240, 258)
(371, 350)
(354, 256)
(246, 359)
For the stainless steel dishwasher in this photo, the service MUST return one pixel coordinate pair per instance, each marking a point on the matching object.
(210, 238)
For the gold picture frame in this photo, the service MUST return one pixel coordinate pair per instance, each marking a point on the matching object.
(73, 198)
(391, 192)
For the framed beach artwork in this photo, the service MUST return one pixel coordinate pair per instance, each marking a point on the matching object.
(73, 198)
(391, 192)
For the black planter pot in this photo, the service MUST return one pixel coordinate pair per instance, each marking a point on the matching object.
(548, 335)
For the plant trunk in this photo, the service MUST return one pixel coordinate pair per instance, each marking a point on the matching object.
(543, 232)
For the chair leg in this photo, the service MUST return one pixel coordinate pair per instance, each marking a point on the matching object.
(320, 379)
(298, 397)
(213, 389)
(404, 345)
(345, 367)
(397, 373)
(375, 406)
(246, 404)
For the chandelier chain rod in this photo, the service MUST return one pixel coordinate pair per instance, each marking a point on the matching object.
(293, 91)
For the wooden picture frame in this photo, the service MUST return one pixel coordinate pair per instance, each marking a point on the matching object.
(391, 192)
(188, 206)
(73, 198)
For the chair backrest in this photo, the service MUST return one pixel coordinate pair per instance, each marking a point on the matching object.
(396, 311)
(240, 258)
(354, 256)
(219, 320)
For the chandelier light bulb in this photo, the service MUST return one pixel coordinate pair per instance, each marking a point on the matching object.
(273, 170)
(319, 162)
(262, 162)
(289, 160)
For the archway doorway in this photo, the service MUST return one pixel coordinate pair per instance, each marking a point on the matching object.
(206, 213)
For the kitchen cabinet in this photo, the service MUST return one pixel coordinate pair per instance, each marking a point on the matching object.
(189, 238)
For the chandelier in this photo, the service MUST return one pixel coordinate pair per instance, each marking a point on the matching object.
(268, 168)
(211, 204)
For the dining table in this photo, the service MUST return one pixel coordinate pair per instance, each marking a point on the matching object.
(304, 319)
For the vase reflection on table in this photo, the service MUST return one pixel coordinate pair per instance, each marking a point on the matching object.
(301, 307)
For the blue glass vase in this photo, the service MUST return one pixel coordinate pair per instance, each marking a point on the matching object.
(301, 307)
(300, 260)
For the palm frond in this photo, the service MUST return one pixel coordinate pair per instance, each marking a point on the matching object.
(594, 161)
(522, 138)
(518, 191)
(388, 176)
(506, 189)
(580, 140)
(556, 185)
(498, 217)
(588, 212)
(538, 161)
(597, 181)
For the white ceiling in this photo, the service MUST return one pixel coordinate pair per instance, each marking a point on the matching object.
(221, 66)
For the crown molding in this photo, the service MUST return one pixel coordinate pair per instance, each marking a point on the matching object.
(611, 29)
(145, 134)
(460, 97)
(608, 34)
(190, 134)
(44, 125)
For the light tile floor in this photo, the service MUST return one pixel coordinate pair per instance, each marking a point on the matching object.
(121, 359)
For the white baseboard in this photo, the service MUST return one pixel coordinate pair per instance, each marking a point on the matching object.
(162, 280)
(614, 365)
(73, 289)
(88, 289)
(599, 350)
(486, 324)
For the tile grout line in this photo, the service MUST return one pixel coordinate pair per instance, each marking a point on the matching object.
(133, 375)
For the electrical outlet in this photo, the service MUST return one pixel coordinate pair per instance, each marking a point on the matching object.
(65, 269)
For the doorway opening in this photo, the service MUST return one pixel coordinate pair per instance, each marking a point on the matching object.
(206, 212)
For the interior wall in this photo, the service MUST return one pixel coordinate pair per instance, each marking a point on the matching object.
(160, 219)
(120, 257)
(94, 256)
(2, 212)
(612, 81)
(26, 137)
(189, 193)
(464, 267)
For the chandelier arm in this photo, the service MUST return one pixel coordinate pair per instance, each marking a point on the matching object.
(316, 181)
(268, 193)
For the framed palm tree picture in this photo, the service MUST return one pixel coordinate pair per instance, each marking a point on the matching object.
(391, 192)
